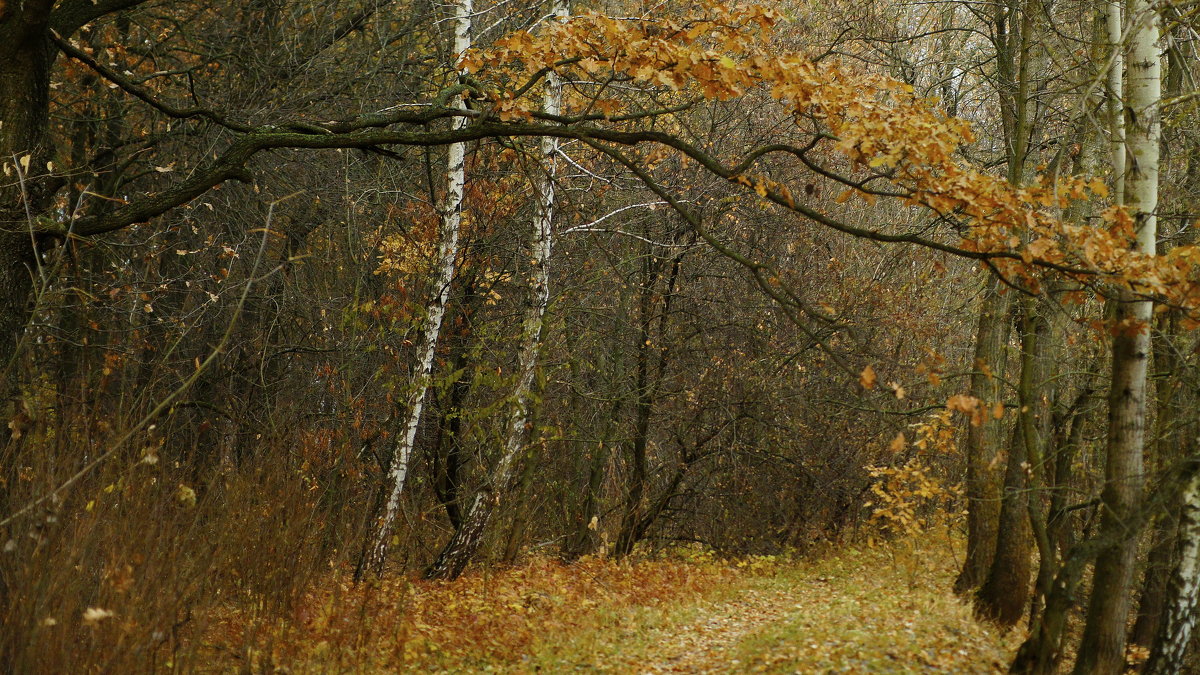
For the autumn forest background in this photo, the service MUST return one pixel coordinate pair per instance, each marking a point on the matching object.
(355, 336)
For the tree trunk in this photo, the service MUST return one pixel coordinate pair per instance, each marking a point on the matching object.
(1167, 451)
(1037, 430)
(584, 539)
(1116, 93)
(466, 541)
(520, 519)
(435, 310)
(1003, 595)
(586, 525)
(1179, 617)
(1102, 647)
(448, 451)
(26, 56)
(1004, 592)
(644, 409)
(638, 514)
(1173, 404)
(983, 480)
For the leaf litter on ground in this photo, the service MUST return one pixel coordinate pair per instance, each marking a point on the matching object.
(860, 609)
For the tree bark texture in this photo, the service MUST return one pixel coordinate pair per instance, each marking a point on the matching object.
(1003, 595)
(1179, 617)
(435, 311)
(983, 479)
(1102, 647)
(26, 56)
(466, 541)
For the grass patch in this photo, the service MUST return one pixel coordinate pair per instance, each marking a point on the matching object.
(877, 610)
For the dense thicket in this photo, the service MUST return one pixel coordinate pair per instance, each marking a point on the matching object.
(221, 227)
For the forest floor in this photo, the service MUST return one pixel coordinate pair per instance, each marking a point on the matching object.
(864, 609)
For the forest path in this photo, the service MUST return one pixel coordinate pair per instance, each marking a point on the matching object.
(857, 610)
(710, 642)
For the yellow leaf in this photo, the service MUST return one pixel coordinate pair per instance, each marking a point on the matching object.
(185, 495)
(867, 378)
(94, 615)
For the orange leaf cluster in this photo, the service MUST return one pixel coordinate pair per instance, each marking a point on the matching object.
(876, 122)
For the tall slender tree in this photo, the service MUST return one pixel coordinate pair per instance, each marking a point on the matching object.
(1102, 647)
(467, 539)
(435, 310)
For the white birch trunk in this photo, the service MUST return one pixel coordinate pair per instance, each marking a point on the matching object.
(1102, 647)
(1179, 619)
(465, 543)
(1113, 105)
(541, 243)
(435, 311)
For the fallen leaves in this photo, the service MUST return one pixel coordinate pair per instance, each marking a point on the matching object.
(884, 609)
(855, 610)
(492, 616)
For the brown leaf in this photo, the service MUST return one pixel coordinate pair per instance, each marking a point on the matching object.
(962, 403)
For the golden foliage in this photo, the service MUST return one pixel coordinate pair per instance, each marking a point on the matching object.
(878, 124)
(902, 493)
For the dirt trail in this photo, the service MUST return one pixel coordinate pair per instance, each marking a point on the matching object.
(708, 644)
(857, 611)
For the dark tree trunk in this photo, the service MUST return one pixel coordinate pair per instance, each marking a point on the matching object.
(1002, 597)
(1102, 648)
(652, 359)
(583, 538)
(643, 411)
(26, 56)
(983, 480)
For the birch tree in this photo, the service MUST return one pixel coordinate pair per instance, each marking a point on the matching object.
(468, 538)
(1179, 616)
(1102, 648)
(435, 310)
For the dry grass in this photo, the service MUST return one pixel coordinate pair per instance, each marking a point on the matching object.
(499, 619)
(854, 610)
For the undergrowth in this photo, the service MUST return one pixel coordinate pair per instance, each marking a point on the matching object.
(490, 619)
